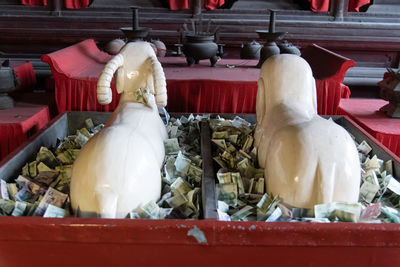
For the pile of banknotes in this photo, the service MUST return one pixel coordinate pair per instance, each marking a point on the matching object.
(240, 187)
(42, 188)
(181, 174)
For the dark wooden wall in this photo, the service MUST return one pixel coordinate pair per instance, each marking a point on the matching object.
(372, 39)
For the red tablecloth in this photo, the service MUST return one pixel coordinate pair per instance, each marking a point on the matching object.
(18, 123)
(323, 5)
(200, 88)
(71, 4)
(25, 73)
(365, 112)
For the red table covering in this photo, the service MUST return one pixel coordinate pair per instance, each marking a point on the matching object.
(16, 124)
(365, 112)
(71, 4)
(230, 87)
(323, 5)
(25, 73)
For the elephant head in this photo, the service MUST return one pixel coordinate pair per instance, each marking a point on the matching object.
(137, 67)
(294, 91)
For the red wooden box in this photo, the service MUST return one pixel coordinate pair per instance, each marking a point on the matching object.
(36, 241)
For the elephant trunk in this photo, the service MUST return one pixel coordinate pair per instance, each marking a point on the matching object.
(160, 86)
(104, 95)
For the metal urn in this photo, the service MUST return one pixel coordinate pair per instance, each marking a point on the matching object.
(8, 82)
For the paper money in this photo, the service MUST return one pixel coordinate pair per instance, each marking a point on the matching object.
(150, 210)
(259, 186)
(26, 195)
(81, 139)
(6, 206)
(388, 167)
(32, 169)
(371, 164)
(172, 131)
(391, 213)
(65, 157)
(368, 191)
(370, 176)
(182, 164)
(31, 186)
(223, 216)
(224, 177)
(242, 165)
(170, 171)
(54, 212)
(19, 209)
(276, 214)
(46, 156)
(89, 124)
(180, 186)
(242, 213)
(227, 193)
(220, 162)
(251, 185)
(85, 132)
(248, 143)
(171, 146)
(220, 142)
(228, 159)
(53, 197)
(12, 190)
(364, 147)
(195, 171)
(371, 212)
(177, 200)
(394, 186)
(4, 190)
(343, 211)
(25, 170)
(237, 179)
(220, 135)
(222, 206)
(46, 177)
(233, 138)
(240, 122)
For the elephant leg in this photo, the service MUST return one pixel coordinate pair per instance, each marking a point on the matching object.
(213, 61)
(190, 61)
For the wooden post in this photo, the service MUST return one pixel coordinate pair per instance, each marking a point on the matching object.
(338, 9)
(197, 6)
(55, 7)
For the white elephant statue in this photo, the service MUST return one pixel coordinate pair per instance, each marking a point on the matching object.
(118, 169)
(308, 160)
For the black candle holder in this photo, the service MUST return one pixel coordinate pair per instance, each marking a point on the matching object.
(270, 48)
(135, 33)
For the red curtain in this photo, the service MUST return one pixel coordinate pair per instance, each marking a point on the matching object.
(213, 4)
(323, 5)
(70, 4)
(184, 4)
(178, 4)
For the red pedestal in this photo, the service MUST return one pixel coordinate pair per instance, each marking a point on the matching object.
(18, 123)
(365, 112)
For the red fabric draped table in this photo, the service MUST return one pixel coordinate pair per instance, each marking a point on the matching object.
(25, 73)
(230, 87)
(365, 112)
(18, 123)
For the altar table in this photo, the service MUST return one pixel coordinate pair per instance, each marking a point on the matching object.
(230, 87)
(19, 123)
(365, 112)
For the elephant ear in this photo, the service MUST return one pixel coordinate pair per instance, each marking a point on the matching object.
(120, 78)
(314, 95)
(260, 101)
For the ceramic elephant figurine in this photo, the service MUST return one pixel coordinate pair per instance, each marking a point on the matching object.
(118, 169)
(308, 160)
